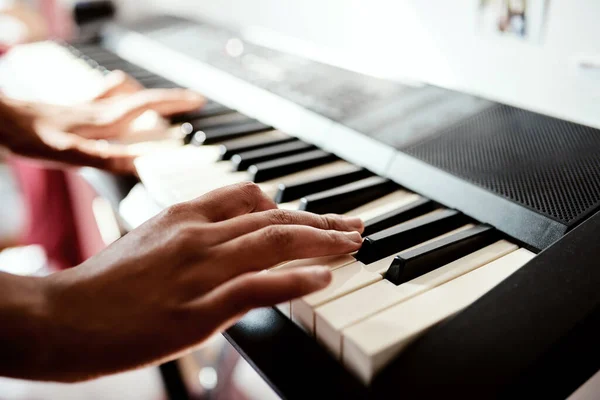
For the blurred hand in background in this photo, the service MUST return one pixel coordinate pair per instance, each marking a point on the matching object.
(20, 23)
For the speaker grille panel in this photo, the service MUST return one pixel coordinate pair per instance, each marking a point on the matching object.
(548, 165)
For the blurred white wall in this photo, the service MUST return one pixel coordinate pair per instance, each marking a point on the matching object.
(437, 41)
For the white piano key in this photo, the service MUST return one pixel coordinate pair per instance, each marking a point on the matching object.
(371, 344)
(137, 207)
(208, 182)
(333, 317)
(285, 308)
(165, 174)
(333, 262)
(290, 205)
(384, 205)
(346, 280)
(176, 175)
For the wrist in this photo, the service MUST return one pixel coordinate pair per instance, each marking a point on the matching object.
(26, 327)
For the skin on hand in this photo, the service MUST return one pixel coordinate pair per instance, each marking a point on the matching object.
(77, 135)
(34, 25)
(183, 276)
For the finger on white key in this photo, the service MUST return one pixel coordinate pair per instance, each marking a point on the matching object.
(333, 262)
(338, 262)
(347, 280)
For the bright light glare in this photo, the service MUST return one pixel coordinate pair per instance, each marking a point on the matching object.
(208, 378)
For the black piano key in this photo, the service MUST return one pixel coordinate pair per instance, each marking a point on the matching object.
(348, 197)
(156, 81)
(111, 62)
(268, 170)
(165, 84)
(408, 234)
(419, 261)
(235, 146)
(221, 133)
(93, 51)
(141, 74)
(98, 54)
(395, 217)
(120, 65)
(103, 57)
(84, 48)
(210, 109)
(289, 192)
(199, 124)
(242, 161)
(90, 62)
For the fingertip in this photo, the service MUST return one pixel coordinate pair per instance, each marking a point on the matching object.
(186, 101)
(353, 236)
(115, 78)
(116, 73)
(318, 277)
(194, 96)
(355, 223)
(194, 99)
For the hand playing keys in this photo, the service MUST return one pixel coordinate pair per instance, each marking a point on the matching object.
(77, 135)
(184, 275)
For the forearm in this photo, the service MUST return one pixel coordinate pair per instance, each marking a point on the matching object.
(7, 112)
(16, 118)
(25, 334)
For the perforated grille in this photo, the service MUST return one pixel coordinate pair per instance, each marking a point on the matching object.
(549, 165)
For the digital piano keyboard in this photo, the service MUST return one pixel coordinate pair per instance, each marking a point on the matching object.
(478, 275)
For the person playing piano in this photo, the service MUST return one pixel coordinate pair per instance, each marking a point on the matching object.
(165, 287)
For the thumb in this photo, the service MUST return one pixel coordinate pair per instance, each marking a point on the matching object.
(264, 289)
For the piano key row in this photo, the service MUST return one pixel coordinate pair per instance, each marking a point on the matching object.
(445, 246)
(420, 262)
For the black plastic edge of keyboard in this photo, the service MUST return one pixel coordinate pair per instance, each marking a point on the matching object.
(290, 361)
(535, 335)
(532, 230)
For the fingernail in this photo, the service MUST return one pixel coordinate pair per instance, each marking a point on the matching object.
(354, 236)
(354, 222)
(319, 275)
